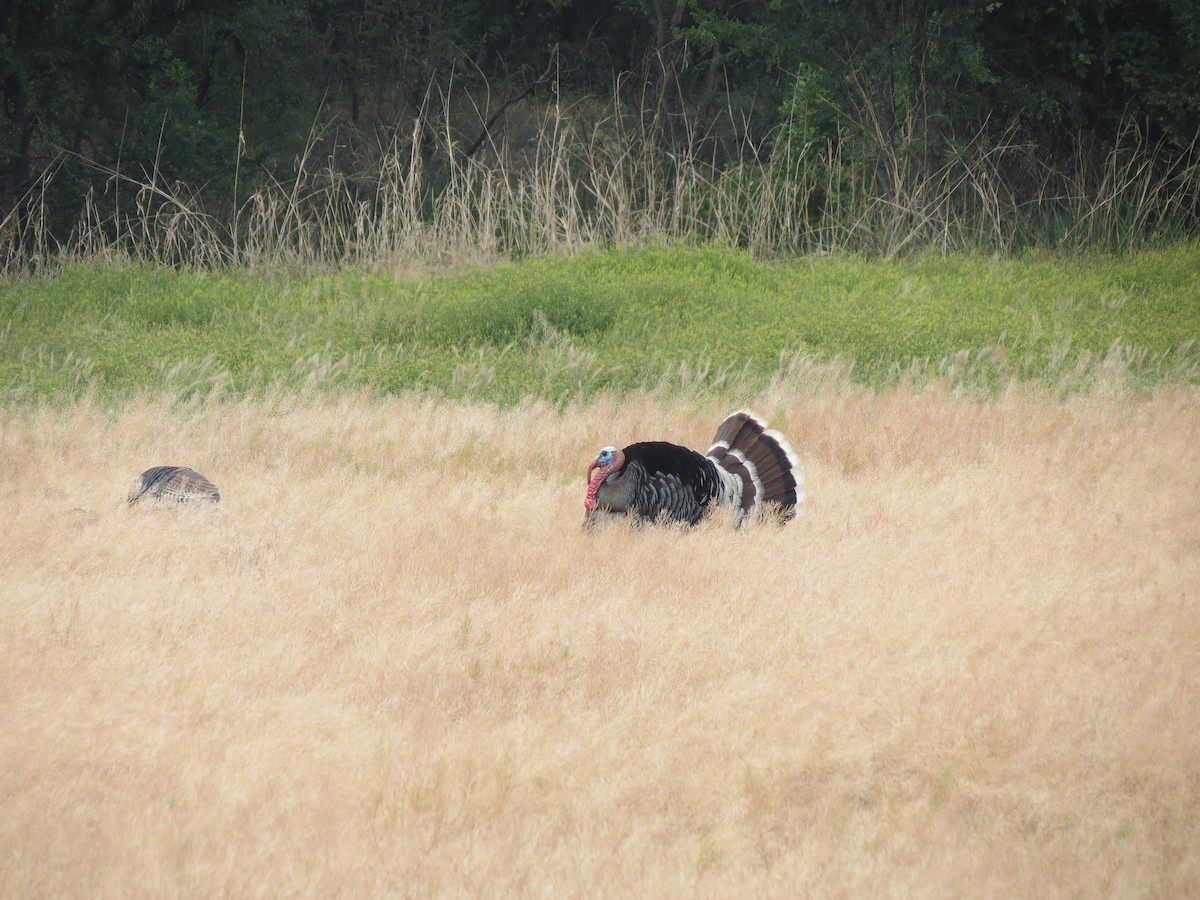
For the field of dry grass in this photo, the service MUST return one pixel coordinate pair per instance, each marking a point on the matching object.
(395, 666)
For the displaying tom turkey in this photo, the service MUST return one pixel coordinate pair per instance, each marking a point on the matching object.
(173, 484)
(748, 467)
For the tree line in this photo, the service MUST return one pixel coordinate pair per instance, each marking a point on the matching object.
(213, 93)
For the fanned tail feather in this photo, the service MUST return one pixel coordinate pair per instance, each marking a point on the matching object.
(762, 461)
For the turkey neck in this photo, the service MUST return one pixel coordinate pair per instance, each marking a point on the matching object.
(617, 494)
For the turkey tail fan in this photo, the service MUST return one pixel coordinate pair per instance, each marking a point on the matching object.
(762, 460)
(173, 484)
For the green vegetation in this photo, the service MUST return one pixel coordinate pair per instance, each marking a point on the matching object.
(325, 133)
(564, 326)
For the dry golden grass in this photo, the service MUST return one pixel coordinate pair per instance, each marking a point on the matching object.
(395, 665)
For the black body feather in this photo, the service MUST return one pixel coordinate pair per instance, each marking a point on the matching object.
(670, 479)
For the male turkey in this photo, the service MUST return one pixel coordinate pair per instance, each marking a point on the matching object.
(748, 466)
(173, 484)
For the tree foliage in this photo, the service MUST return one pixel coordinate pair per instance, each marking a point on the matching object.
(207, 92)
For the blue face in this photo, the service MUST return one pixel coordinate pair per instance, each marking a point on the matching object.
(605, 457)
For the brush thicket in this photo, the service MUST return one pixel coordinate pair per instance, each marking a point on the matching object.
(571, 175)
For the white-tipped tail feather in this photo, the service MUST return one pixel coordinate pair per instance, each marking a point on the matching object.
(758, 466)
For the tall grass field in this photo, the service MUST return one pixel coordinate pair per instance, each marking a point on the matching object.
(393, 663)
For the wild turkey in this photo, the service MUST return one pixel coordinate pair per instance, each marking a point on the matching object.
(173, 484)
(748, 467)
